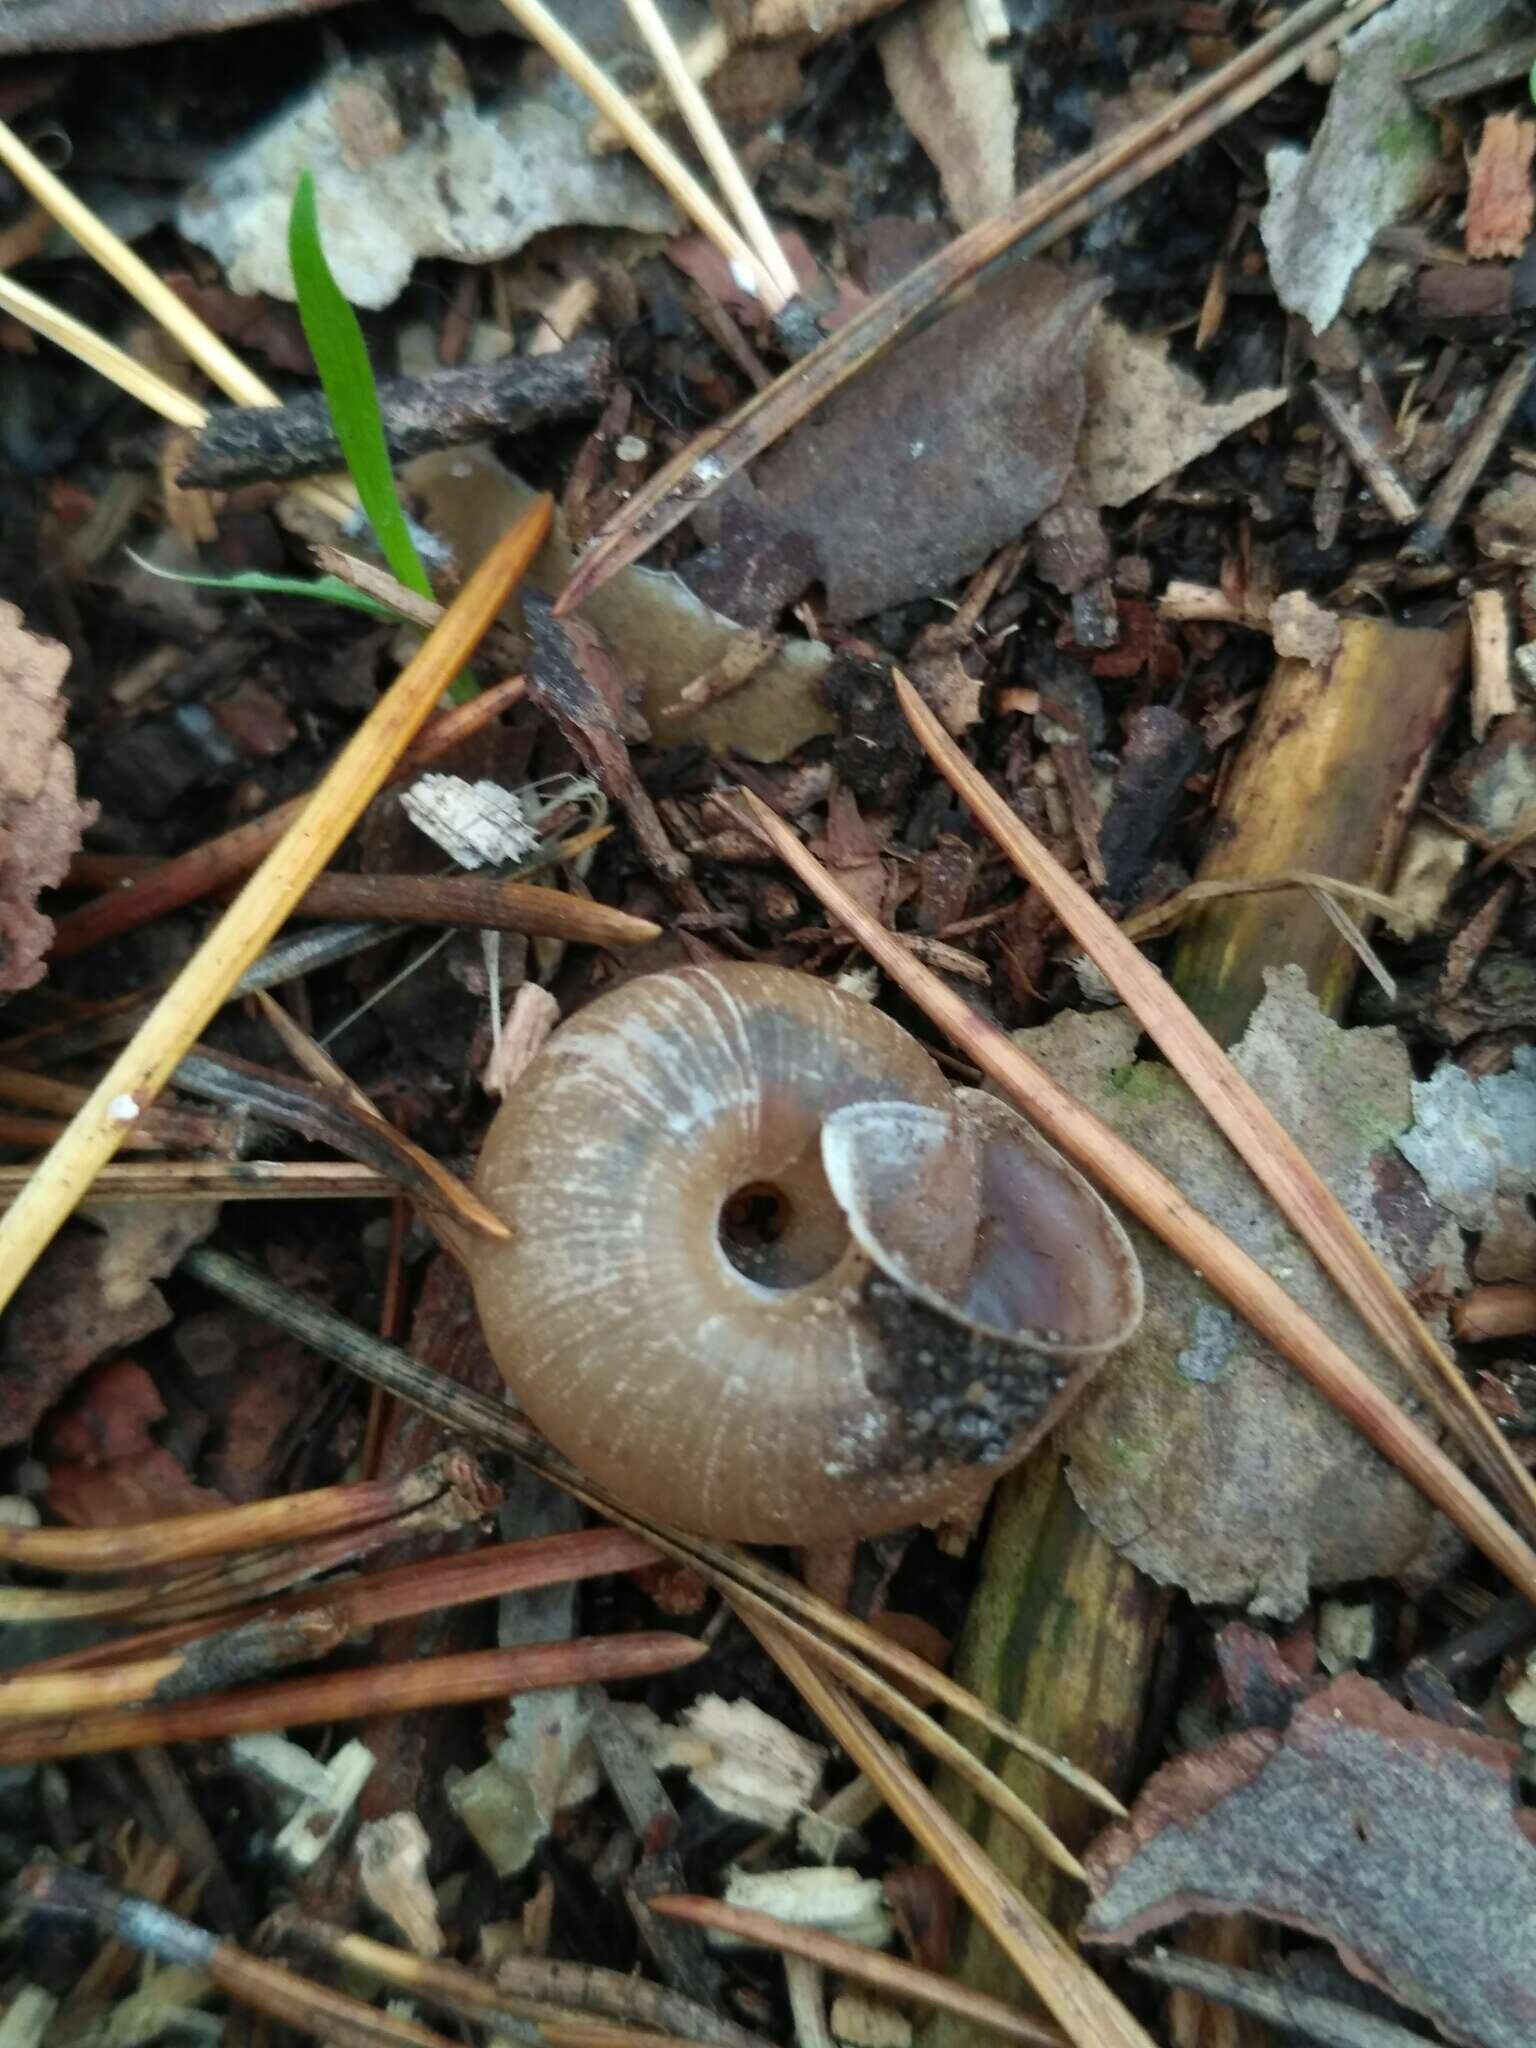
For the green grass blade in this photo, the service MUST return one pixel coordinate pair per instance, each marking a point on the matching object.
(257, 583)
(341, 356)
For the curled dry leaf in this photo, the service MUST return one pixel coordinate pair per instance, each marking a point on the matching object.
(1389, 1834)
(41, 819)
(1202, 1455)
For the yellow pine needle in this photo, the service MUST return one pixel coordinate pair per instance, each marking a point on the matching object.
(147, 1062)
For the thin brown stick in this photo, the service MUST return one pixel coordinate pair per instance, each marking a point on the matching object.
(359, 1695)
(904, 1981)
(221, 1532)
(202, 870)
(225, 1180)
(1086, 2010)
(1157, 1202)
(526, 1987)
(49, 1892)
(476, 901)
(427, 1586)
(168, 1129)
(1255, 1133)
(1053, 207)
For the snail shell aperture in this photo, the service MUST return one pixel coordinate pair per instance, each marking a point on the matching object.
(769, 1276)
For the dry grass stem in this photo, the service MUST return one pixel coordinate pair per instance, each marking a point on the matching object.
(103, 356)
(149, 1059)
(899, 1980)
(357, 1695)
(1083, 2007)
(921, 1726)
(427, 1586)
(1053, 207)
(659, 158)
(217, 362)
(1160, 918)
(716, 151)
(223, 1532)
(1158, 1203)
(200, 871)
(1269, 1151)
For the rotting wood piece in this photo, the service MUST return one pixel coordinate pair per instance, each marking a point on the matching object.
(245, 444)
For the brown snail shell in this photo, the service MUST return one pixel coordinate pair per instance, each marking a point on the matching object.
(931, 1277)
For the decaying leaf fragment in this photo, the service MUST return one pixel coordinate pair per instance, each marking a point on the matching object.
(1202, 1455)
(41, 819)
(1392, 1835)
(1146, 418)
(941, 450)
(959, 103)
(1501, 204)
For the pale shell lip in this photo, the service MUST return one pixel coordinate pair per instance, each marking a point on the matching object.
(867, 1138)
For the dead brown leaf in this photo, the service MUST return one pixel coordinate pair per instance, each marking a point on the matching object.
(41, 819)
(1389, 1834)
(108, 1470)
(942, 450)
(63, 1319)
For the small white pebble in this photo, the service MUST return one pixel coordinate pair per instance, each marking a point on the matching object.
(631, 449)
(123, 1109)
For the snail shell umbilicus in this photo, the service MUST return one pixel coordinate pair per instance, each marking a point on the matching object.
(769, 1276)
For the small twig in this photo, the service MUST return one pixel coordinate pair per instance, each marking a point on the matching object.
(899, 1980)
(334, 1118)
(502, 644)
(1244, 1119)
(716, 151)
(359, 1695)
(354, 1606)
(658, 157)
(184, 1130)
(238, 444)
(1082, 2005)
(224, 1180)
(477, 902)
(527, 1987)
(1493, 1314)
(1427, 541)
(1327, 2021)
(149, 1059)
(50, 1892)
(1048, 210)
(189, 876)
(1386, 482)
(1158, 1203)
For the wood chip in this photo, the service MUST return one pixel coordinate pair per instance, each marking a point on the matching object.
(1501, 205)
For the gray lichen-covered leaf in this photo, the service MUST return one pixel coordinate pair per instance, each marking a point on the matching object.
(1474, 1142)
(1387, 1833)
(1200, 1453)
(1375, 156)
(407, 165)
